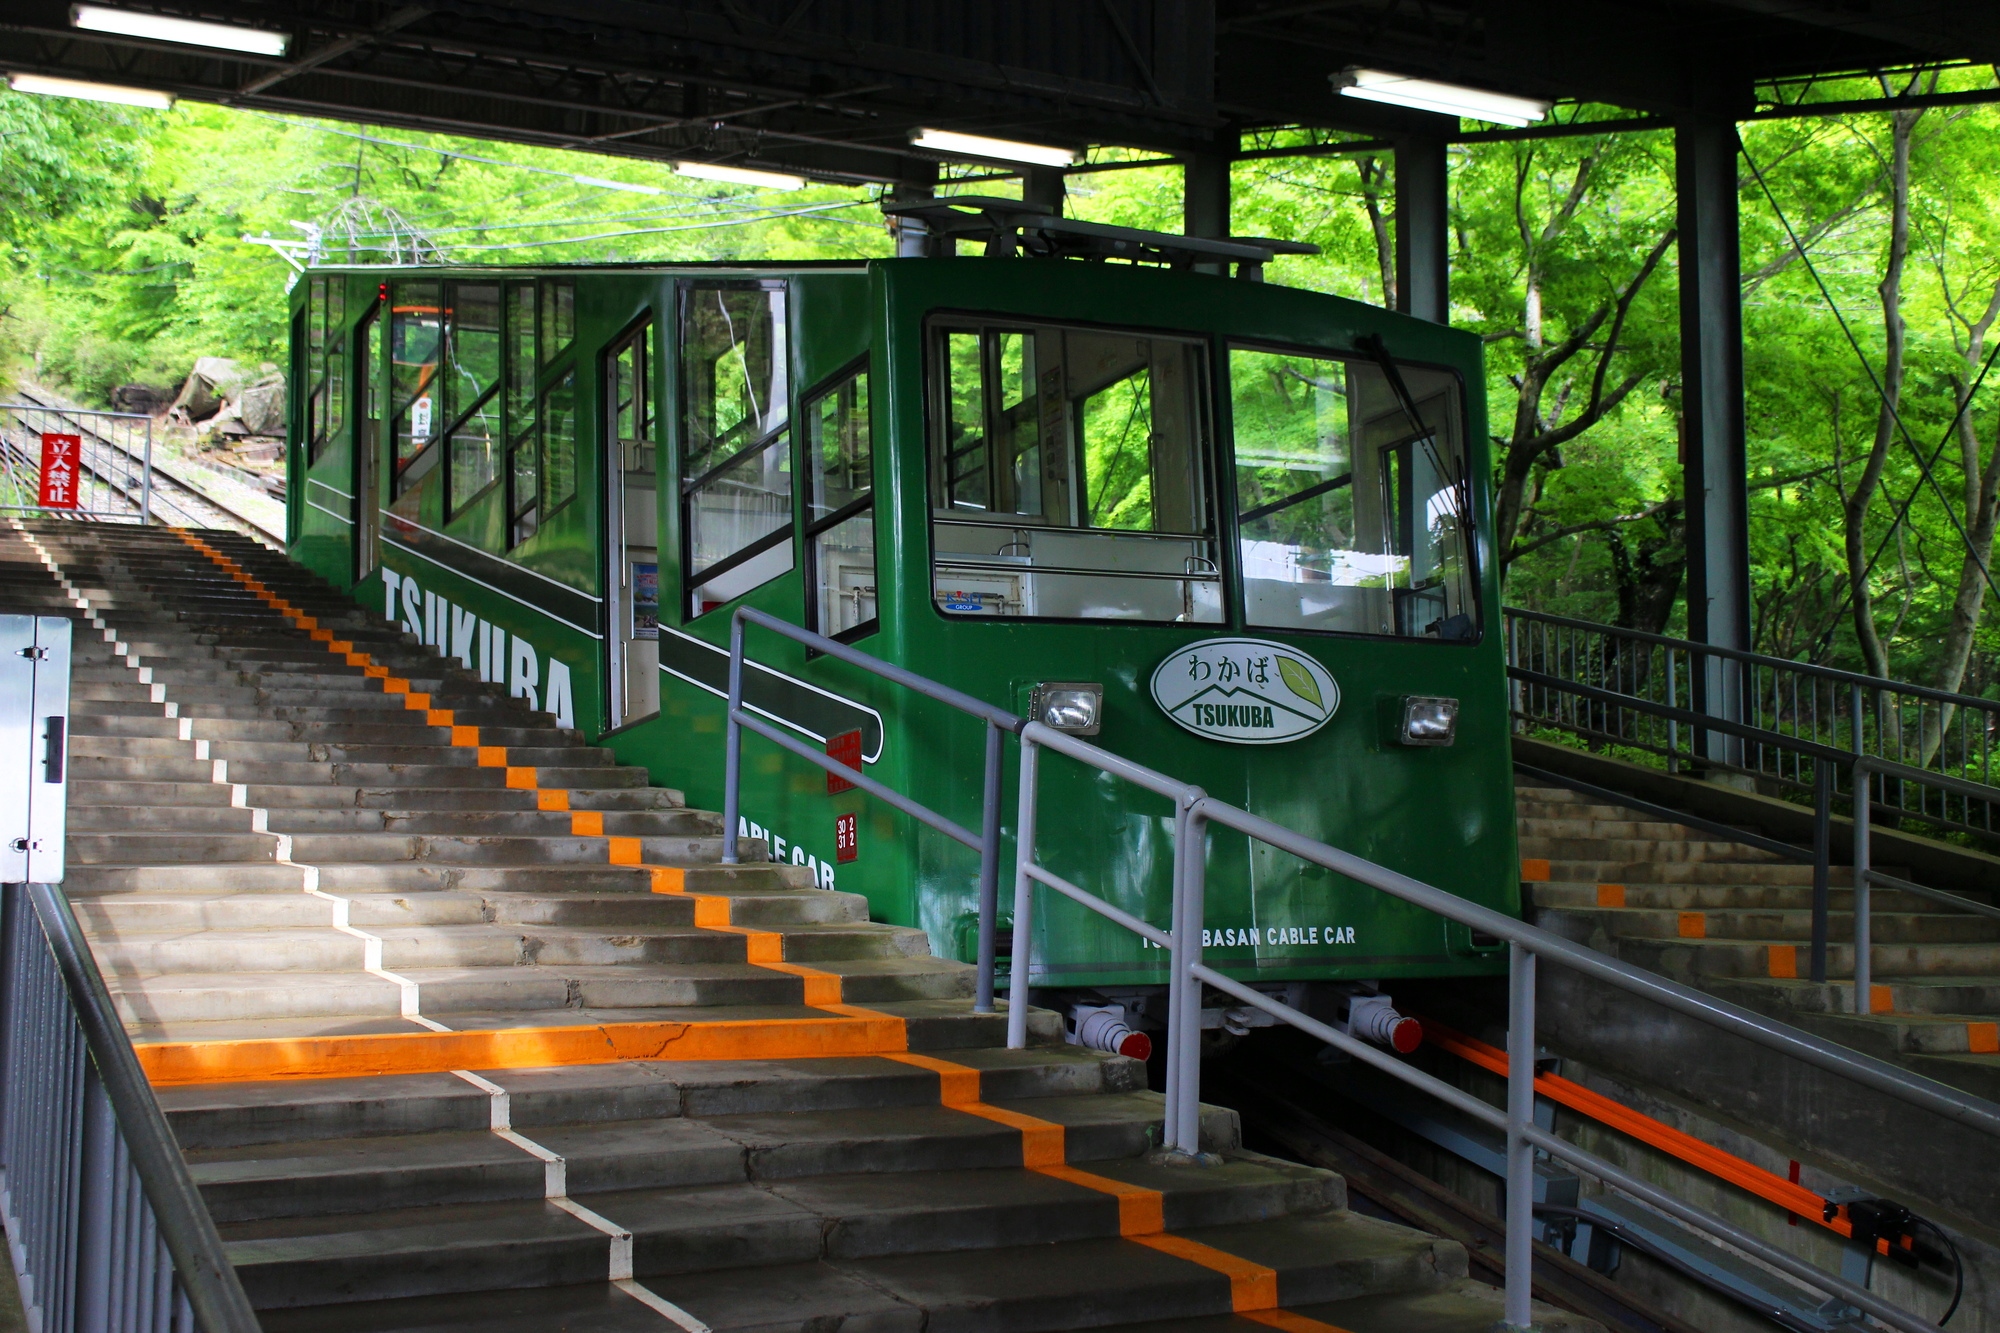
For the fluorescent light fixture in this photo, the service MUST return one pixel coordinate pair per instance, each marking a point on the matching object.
(1002, 150)
(188, 32)
(1448, 99)
(768, 180)
(89, 92)
(626, 186)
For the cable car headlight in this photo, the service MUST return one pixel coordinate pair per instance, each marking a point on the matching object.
(1074, 706)
(1428, 720)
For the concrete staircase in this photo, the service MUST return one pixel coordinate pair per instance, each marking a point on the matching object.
(462, 1027)
(1737, 922)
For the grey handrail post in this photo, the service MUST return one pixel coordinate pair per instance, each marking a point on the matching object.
(1022, 954)
(1864, 971)
(146, 479)
(1183, 1123)
(732, 747)
(989, 872)
(1822, 861)
(1520, 1255)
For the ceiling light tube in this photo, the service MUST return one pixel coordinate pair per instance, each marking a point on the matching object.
(627, 186)
(1450, 99)
(188, 32)
(1000, 150)
(768, 180)
(89, 92)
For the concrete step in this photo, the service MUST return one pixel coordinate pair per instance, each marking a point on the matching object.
(488, 981)
(327, 1178)
(1718, 897)
(930, 1023)
(1887, 926)
(948, 1243)
(239, 1115)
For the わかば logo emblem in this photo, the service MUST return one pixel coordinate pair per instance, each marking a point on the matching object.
(1247, 691)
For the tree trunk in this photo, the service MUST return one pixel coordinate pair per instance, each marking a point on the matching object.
(1894, 339)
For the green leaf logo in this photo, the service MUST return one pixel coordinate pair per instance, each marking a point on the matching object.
(1300, 682)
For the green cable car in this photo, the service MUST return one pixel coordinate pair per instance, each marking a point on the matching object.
(1233, 531)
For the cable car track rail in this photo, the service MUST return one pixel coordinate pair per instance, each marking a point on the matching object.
(173, 494)
(1527, 944)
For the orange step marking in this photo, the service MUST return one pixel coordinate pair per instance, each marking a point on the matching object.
(854, 1032)
(1881, 1000)
(1611, 895)
(493, 756)
(1251, 1286)
(468, 736)
(552, 798)
(586, 823)
(1535, 869)
(1694, 925)
(1982, 1038)
(1784, 960)
(625, 851)
(523, 778)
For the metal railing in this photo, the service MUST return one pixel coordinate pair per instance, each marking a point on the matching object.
(108, 1232)
(113, 459)
(1876, 784)
(986, 842)
(1193, 812)
(1660, 696)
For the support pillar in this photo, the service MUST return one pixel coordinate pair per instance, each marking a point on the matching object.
(1045, 186)
(912, 236)
(1205, 195)
(1713, 454)
(1423, 230)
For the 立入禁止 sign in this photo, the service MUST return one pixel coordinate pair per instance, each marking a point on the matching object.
(1247, 691)
(61, 461)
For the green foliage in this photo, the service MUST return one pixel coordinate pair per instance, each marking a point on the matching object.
(136, 241)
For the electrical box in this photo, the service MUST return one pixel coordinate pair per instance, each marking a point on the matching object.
(34, 747)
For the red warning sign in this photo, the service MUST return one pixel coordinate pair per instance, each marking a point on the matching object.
(61, 460)
(846, 748)
(846, 843)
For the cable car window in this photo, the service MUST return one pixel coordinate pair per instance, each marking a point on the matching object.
(736, 457)
(471, 389)
(416, 337)
(558, 317)
(840, 518)
(1351, 496)
(1068, 476)
(558, 464)
(522, 364)
(326, 363)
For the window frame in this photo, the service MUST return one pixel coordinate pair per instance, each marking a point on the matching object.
(860, 368)
(784, 435)
(1207, 456)
(455, 506)
(1239, 610)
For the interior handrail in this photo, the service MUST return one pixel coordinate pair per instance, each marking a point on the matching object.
(201, 1265)
(1758, 659)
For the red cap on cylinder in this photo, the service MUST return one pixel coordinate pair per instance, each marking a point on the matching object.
(1139, 1046)
(1406, 1036)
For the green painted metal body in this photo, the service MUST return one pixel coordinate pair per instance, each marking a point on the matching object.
(1443, 815)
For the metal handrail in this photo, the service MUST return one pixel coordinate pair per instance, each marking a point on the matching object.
(201, 1272)
(1767, 716)
(1194, 809)
(998, 721)
(1757, 659)
(1187, 974)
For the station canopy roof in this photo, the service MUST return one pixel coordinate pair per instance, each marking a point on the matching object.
(833, 89)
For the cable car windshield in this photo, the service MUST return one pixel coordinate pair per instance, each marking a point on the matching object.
(1068, 475)
(1351, 496)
